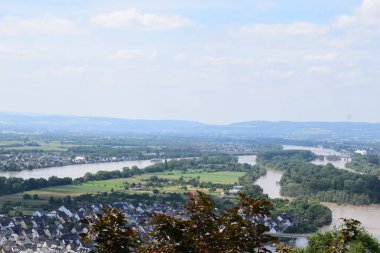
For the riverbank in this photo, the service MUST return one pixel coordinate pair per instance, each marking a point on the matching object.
(75, 171)
(368, 215)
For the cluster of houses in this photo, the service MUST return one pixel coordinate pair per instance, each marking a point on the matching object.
(20, 160)
(280, 223)
(276, 224)
(59, 231)
(230, 148)
(56, 231)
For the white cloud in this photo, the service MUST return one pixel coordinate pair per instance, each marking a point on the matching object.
(278, 30)
(18, 53)
(133, 54)
(320, 57)
(319, 70)
(212, 60)
(368, 13)
(37, 25)
(281, 74)
(131, 18)
(223, 60)
(69, 70)
(181, 57)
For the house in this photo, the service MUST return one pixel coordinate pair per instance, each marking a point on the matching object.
(3, 238)
(66, 211)
(272, 231)
(37, 214)
(235, 189)
(52, 214)
(361, 152)
(14, 237)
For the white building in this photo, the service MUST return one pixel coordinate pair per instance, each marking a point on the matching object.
(361, 152)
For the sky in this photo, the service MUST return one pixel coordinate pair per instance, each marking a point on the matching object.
(214, 61)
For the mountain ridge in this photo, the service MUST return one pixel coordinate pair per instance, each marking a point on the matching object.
(12, 122)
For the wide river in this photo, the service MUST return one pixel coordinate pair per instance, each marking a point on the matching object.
(369, 216)
(75, 171)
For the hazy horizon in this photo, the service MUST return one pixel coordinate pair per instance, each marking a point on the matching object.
(168, 119)
(215, 62)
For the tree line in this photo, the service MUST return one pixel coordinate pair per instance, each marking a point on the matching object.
(367, 164)
(15, 184)
(325, 183)
(206, 229)
(208, 164)
(308, 215)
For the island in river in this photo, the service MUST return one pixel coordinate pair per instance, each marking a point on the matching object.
(369, 215)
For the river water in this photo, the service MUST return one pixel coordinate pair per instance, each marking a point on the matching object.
(369, 216)
(340, 164)
(75, 171)
(315, 150)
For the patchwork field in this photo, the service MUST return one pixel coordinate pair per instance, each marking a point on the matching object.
(222, 177)
(42, 145)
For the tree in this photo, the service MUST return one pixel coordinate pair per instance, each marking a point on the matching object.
(206, 230)
(109, 232)
(350, 237)
(7, 207)
(27, 196)
(252, 190)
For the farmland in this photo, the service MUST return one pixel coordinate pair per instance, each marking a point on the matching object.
(119, 184)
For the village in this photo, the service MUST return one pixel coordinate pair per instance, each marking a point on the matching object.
(16, 160)
(58, 231)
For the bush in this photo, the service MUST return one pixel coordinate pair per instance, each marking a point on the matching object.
(27, 196)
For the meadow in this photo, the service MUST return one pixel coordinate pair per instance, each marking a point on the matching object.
(118, 184)
(41, 145)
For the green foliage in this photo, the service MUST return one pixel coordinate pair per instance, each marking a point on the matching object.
(350, 237)
(27, 196)
(368, 164)
(254, 191)
(14, 184)
(309, 214)
(205, 164)
(252, 175)
(110, 233)
(207, 230)
(281, 155)
(6, 207)
(325, 183)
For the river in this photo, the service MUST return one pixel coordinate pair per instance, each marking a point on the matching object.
(340, 164)
(315, 150)
(75, 171)
(369, 216)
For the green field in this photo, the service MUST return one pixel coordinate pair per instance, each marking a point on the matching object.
(222, 177)
(44, 146)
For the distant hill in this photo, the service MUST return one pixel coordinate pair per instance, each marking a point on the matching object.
(20, 123)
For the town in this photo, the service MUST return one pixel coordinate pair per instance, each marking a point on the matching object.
(58, 231)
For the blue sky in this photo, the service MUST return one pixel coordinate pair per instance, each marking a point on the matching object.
(212, 61)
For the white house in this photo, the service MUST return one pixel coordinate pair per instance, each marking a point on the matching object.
(361, 152)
